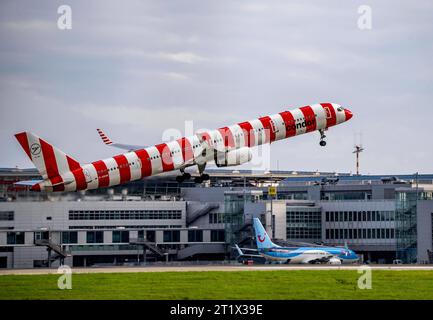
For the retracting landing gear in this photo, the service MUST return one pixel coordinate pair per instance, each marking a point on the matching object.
(322, 138)
(203, 176)
(183, 177)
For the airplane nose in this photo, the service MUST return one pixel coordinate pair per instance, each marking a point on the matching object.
(348, 114)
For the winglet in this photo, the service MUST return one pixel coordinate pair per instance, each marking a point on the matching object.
(104, 137)
(107, 141)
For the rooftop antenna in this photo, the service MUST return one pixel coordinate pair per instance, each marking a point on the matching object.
(358, 149)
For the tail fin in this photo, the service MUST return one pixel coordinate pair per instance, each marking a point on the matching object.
(50, 161)
(262, 238)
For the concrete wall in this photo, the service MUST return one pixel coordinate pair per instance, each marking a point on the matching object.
(424, 229)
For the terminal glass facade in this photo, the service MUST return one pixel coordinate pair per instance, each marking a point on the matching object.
(304, 223)
(236, 230)
(406, 225)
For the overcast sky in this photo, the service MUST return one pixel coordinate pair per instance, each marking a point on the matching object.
(136, 68)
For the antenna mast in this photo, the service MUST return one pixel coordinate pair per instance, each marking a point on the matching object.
(358, 149)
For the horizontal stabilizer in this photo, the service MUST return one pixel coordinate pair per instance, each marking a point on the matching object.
(28, 182)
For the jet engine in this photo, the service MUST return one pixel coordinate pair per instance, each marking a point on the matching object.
(233, 157)
(334, 261)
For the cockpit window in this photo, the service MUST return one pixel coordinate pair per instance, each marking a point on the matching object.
(340, 109)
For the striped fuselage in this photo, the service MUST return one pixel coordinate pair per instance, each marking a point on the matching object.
(187, 151)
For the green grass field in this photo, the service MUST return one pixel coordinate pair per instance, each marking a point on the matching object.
(301, 284)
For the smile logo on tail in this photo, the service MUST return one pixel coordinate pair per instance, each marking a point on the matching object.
(260, 238)
(35, 149)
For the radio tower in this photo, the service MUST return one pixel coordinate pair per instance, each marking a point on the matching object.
(358, 150)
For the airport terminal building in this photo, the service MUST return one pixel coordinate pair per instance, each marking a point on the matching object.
(156, 219)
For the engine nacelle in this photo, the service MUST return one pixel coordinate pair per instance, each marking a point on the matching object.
(334, 261)
(233, 157)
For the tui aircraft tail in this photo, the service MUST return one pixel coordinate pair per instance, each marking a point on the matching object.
(262, 238)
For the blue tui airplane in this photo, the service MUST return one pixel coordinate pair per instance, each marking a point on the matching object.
(296, 255)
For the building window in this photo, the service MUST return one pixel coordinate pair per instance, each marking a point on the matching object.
(217, 236)
(69, 237)
(195, 235)
(15, 238)
(125, 214)
(6, 215)
(120, 236)
(95, 236)
(171, 236)
(216, 218)
(304, 224)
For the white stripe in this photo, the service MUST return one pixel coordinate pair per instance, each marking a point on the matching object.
(340, 115)
(299, 118)
(176, 152)
(62, 162)
(157, 162)
(238, 135)
(134, 168)
(113, 175)
(37, 156)
(321, 116)
(93, 183)
(279, 126)
(259, 135)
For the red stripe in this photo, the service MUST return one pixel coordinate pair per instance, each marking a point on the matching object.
(166, 157)
(51, 166)
(146, 164)
(24, 142)
(73, 165)
(205, 137)
(78, 173)
(289, 123)
(36, 187)
(186, 148)
(102, 172)
(227, 135)
(331, 117)
(248, 131)
(266, 122)
(310, 118)
(124, 169)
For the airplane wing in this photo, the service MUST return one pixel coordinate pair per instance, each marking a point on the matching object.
(316, 259)
(28, 183)
(108, 142)
(249, 249)
(246, 255)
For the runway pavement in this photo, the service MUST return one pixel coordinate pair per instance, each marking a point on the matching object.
(204, 268)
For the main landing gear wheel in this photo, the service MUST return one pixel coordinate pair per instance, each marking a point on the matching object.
(200, 179)
(183, 177)
(322, 143)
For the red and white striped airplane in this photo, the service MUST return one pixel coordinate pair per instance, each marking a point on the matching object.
(227, 146)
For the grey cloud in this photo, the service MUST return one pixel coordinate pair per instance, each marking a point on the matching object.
(218, 62)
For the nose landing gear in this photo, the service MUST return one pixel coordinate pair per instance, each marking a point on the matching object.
(322, 138)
